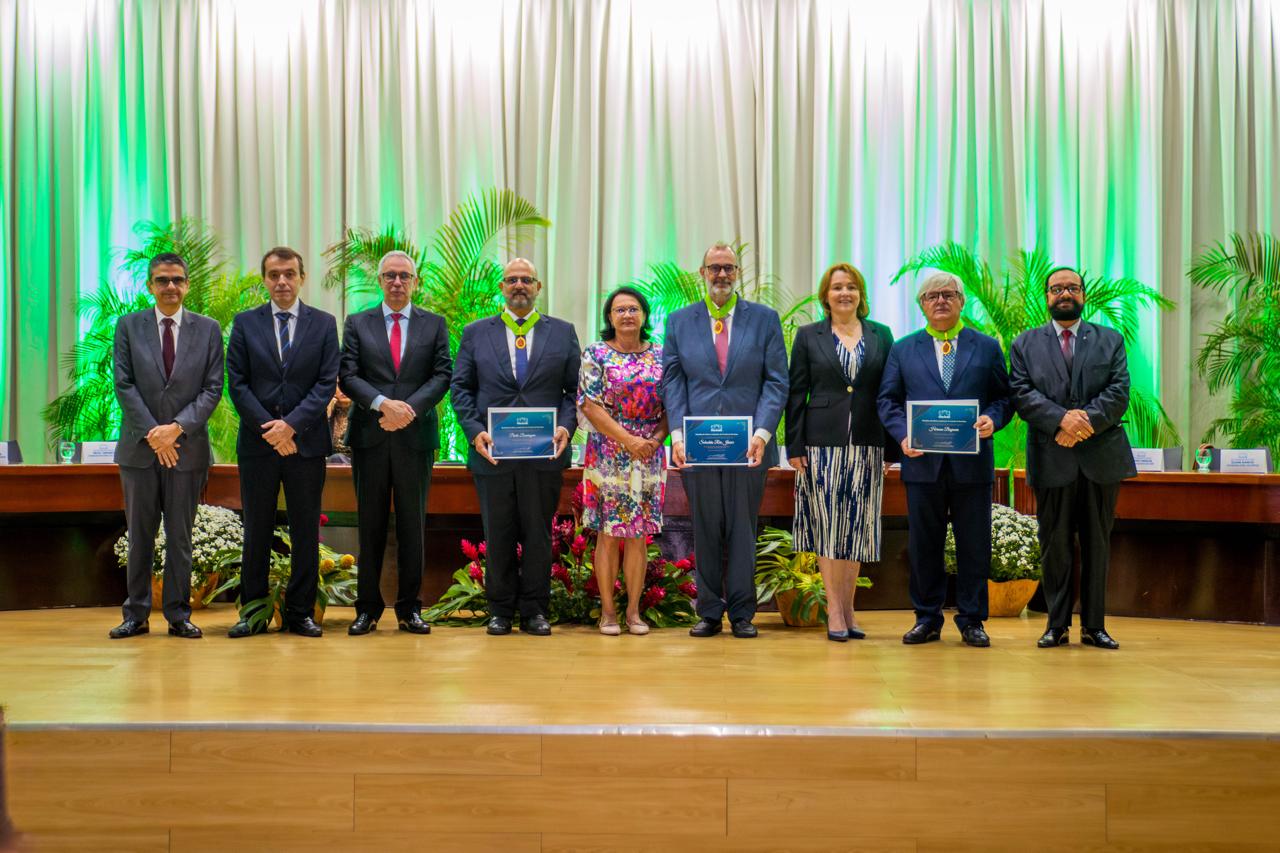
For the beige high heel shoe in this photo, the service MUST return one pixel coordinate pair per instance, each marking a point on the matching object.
(638, 627)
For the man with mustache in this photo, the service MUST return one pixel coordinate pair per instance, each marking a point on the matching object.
(725, 356)
(395, 368)
(520, 359)
(1070, 382)
(282, 369)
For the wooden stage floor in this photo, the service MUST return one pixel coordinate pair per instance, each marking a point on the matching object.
(577, 742)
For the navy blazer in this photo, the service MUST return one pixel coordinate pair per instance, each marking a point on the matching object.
(911, 373)
(367, 371)
(483, 379)
(1043, 392)
(755, 380)
(297, 391)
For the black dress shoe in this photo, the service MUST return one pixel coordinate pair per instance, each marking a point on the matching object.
(1098, 637)
(1054, 637)
(921, 633)
(706, 627)
(838, 636)
(129, 628)
(185, 630)
(364, 624)
(499, 625)
(743, 629)
(305, 627)
(536, 625)
(414, 625)
(973, 635)
(244, 629)
(857, 634)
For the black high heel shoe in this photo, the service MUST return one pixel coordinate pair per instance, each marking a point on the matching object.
(837, 636)
(857, 634)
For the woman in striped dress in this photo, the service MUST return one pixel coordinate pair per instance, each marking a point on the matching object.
(836, 442)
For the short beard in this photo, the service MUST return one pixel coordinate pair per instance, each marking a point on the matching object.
(1067, 314)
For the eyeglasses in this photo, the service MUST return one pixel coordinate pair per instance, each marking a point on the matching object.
(941, 296)
(1073, 289)
(626, 310)
(393, 277)
(519, 279)
(166, 280)
(721, 269)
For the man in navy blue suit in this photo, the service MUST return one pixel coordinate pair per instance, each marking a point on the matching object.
(725, 356)
(947, 361)
(520, 359)
(282, 369)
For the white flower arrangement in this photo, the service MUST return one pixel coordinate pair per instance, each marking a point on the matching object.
(1015, 546)
(216, 540)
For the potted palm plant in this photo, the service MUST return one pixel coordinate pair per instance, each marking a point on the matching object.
(792, 580)
(1015, 560)
(1242, 352)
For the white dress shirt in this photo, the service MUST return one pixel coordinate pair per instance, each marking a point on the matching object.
(1075, 334)
(292, 311)
(177, 326)
(387, 311)
(511, 340)
(937, 350)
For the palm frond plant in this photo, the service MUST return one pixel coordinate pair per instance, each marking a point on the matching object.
(87, 410)
(459, 276)
(1006, 305)
(792, 579)
(1242, 351)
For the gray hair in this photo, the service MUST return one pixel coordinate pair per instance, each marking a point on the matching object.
(397, 253)
(937, 281)
(716, 247)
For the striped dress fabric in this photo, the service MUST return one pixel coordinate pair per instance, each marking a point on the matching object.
(838, 496)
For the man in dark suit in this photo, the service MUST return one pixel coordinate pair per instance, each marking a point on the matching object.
(168, 377)
(518, 359)
(282, 368)
(395, 368)
(947, 361)
(725, 356)
(1070, 383)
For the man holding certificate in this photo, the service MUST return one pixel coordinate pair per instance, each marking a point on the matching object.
(724, 385)
(515, 386)
(944, 393)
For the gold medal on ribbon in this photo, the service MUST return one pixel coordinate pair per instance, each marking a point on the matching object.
(520, 344)
(946, 347)
(719, 326)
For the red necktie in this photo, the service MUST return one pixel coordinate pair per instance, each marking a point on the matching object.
(166, 346)
(395, 341)
(1066, 346)
(722, 344)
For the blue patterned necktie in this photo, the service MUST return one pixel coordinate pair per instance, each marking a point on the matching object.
(522, 354)
(283, 317)
(948, 366)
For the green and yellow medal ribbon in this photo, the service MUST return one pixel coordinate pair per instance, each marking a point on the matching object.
(530, 320)
(718, 313)
(946, 337)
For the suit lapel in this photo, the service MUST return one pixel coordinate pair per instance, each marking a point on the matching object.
(186, 340)
(376, 330)
(299, 334)
(966, 343)
(870, 346)
(539, 344)
(743, 314)
(1084, 347)
(827, 345)
(267, 314)
(705, 338)
(926, 354)
(498, 337)
(417, 337)
(1054, 351)
(151, 334)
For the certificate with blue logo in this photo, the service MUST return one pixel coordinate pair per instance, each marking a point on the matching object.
(942, 426)
(717, 441)
(523, 433)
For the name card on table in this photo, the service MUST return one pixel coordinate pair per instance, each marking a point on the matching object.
(1148, 460)
(97, 452)
(1243, 461)
(4, 453)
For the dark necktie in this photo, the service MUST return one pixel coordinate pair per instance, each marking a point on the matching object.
(396, 341)
(522, 352)
(1066, 347)
(283, 317)
(166, 346)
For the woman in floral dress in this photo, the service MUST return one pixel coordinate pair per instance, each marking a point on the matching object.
(625, 472)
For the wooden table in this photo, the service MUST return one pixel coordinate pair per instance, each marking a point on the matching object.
(1192, 546)
(61, 522)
